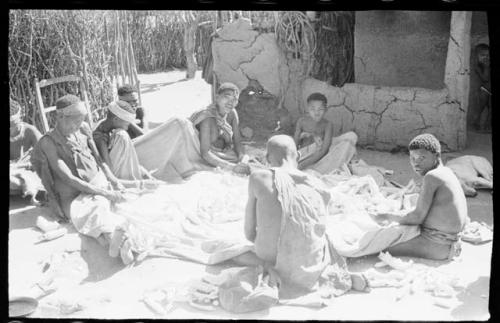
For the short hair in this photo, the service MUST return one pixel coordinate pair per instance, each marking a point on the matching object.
(15, 107)
(425, 141)
(482, 46)
(228, 86)
(66, 101)
(317, 97)
(126, 89)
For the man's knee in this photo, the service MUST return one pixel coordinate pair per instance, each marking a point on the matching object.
(350, 136)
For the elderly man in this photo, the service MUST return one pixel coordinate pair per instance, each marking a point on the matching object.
(80, 186)
(129, 94)
(23, 137)
(285, 220)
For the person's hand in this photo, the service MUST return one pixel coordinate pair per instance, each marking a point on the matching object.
(114, 196)
(244, 159)
(274, 279)
(380, 218)
(151, 184)
(242, 169)
(118, 186)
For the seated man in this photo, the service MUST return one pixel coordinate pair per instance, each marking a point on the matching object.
(284, 218)
(23, 137)
(114, 144)
(80, 186)
(129, 94)
(441, 209)
(313, 136)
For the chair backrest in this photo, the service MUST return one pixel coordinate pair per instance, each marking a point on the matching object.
(43, 110)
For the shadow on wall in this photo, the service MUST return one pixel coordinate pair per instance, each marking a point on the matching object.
(258, 110)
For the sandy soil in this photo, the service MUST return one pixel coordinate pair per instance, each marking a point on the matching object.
(105, 289)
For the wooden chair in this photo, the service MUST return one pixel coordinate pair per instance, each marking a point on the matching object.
(43, 110)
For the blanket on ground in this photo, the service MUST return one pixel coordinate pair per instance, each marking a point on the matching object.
(350, 227)
(171, 151)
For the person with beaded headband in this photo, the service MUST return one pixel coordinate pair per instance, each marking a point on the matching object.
(441, 210)
(80, 186)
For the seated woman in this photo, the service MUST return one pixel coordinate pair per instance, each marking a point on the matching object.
(114, 144)
(23, 138)
(209, 138)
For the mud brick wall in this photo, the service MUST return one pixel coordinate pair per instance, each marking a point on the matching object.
(384, 117)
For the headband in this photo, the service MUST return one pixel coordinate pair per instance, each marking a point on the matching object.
(16, 117)
(124, 115)
(77, 108)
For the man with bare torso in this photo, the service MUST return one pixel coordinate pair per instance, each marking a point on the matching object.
(284, 219)
(441, 209)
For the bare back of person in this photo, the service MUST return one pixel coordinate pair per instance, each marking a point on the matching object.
(268, 214)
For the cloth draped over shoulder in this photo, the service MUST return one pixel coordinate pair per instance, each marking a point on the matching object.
(75, 152)
(122, 154)
(224, 128)
(303, 251)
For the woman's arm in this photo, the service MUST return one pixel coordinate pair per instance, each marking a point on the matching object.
(61, 170)
(235, 124)
(298, 131)
(205, 131)
(117, 183)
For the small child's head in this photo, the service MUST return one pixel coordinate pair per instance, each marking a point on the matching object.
(425, 153)
(316, 106)
(483, 54)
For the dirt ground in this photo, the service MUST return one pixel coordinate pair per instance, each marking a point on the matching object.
(105, 289)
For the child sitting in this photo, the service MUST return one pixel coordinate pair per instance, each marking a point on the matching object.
(318, 150)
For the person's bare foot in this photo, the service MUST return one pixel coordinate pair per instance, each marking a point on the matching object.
(126, 252)
(117, 240)
(359, 283)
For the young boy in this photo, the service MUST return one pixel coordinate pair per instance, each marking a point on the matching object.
(313, 137)
(441, 209)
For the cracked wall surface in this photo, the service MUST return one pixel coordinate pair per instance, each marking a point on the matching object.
(389, 117)
(242, 54)
(383, 117)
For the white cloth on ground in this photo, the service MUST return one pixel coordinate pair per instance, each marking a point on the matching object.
(92, 214)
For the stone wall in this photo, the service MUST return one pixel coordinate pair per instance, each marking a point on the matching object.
(389, 117)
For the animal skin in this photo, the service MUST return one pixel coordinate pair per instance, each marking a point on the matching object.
(473, 172)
